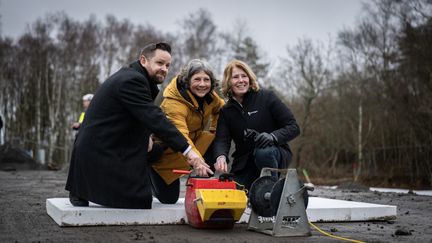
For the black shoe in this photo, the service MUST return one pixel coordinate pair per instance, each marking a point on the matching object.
(78, 202)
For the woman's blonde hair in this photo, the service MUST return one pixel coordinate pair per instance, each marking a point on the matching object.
(226, 84)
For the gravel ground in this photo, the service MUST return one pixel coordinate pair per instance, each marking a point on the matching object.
(23, 218)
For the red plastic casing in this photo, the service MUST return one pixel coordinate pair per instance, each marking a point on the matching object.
(192, 213)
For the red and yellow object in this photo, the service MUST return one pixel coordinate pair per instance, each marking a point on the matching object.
(213, 203)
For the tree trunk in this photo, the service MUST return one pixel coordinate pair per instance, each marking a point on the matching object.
(358, 168)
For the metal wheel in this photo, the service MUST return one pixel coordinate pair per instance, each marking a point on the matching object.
(259, 195)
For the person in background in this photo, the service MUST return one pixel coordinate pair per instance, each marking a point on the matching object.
(193, 106)
(109, 162)
(86, 99)
(257, 121)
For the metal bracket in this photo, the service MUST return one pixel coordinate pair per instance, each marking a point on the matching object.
(291, 218)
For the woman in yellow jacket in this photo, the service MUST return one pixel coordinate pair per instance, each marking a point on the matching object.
(193, 106)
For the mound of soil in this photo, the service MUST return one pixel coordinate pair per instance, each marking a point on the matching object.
(13, 158)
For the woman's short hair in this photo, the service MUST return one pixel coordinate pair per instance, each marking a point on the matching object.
(193, 67)
(226, 84)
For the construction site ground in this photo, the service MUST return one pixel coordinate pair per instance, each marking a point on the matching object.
(23, 217)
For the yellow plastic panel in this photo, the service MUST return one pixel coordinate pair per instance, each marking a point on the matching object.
(210, 200)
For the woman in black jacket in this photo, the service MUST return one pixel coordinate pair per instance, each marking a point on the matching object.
(258, 122)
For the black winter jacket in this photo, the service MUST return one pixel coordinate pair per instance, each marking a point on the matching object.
(262, 111)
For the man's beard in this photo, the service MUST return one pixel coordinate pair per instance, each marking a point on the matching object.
(156, 80)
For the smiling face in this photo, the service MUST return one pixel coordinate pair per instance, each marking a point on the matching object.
(200, 84)
(239, 83)
(157, 65)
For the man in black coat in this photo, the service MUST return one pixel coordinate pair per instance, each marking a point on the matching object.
(109, 164)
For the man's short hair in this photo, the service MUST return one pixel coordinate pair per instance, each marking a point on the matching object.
(149, 50)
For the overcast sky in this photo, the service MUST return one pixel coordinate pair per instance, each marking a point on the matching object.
(273, 24)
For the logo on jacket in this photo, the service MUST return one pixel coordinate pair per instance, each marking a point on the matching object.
(252, 112)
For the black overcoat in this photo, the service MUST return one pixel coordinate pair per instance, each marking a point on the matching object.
(109, 158)
(262, 111)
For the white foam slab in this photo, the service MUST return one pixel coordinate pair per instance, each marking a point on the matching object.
(319, 209)
(418, 192)
(328, 210)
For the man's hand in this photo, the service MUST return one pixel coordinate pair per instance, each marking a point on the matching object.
(263, 140)
(221, 164)
(198, 164)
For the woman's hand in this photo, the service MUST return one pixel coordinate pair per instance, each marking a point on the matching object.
(221, 164)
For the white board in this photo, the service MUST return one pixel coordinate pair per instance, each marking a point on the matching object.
(319, 210)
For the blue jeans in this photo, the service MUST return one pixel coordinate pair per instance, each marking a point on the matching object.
(265, 157)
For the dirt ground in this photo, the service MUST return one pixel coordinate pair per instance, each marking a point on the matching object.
(23, 218)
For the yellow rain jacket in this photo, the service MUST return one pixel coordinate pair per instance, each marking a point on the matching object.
(197, 126)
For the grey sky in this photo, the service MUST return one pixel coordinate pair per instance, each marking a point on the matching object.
(272, 23)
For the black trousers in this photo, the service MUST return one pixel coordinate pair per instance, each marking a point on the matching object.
(166, 194)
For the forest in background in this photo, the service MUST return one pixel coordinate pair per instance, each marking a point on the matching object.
(363, 99)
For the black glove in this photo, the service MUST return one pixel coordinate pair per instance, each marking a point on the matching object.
(250, 134)
(263, 140)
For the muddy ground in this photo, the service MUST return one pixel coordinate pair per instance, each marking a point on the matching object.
(23, 218)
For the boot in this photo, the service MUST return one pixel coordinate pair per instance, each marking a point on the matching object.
(78, 202)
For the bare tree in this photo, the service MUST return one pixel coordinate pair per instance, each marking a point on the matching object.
(116, 43)
(241, 46)
(415, 89)
(9, 87)
(75, 70)
(307, 69)
(198, 37)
